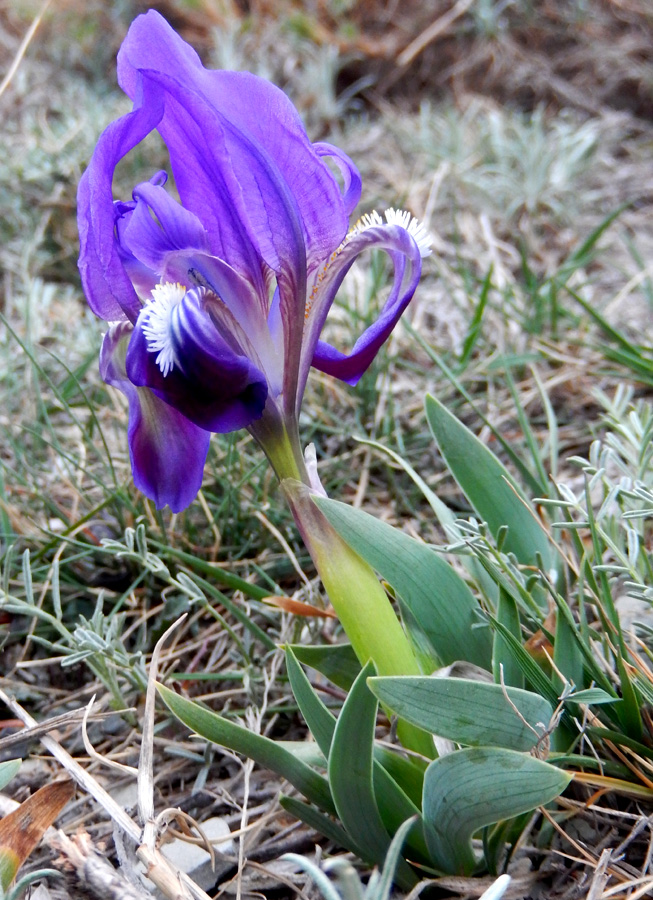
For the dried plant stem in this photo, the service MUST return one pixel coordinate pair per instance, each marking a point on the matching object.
(95, 873)
(172, 883)
(31, 31)
(81, 776)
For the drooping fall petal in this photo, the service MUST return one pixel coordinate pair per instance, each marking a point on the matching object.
(406, 257)
(176, 351)
(167, 451)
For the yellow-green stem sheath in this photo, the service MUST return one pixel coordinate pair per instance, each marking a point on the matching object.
(361, 604)
(359, 600)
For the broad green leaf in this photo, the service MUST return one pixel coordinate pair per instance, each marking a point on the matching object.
(264, 751)
(475, 787)
(445, 517)
(468, 712)
(394, 802)
(306, 751)
(488, 486)
(351, 776)
(337, 662)
(7, 771)
(438, 600)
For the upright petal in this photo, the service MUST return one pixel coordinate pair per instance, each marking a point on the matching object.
(158, 228)
(350, 174)
(167, 451)
(107, 286)
(244, 165)
(245, 130)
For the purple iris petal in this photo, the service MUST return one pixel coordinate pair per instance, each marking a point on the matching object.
(407, 268)
(234, 139)
(213, 386)
(351, 175)
(143, 278)
(158, 227)
(167, 451)
(107, 286)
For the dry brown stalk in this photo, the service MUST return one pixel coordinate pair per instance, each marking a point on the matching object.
(97, 875)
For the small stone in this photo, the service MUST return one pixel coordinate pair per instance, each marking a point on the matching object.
(126, 795)
(195, 860)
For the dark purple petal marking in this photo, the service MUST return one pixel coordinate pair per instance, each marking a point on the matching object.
(176, 351)
(167, 451)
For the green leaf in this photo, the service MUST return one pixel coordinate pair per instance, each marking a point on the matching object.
(592, 697)
(406, 771)
(488, 486)
(319, 822)
(532, 672)
(321, 723)
(351, 779)
(321, 880)
(384, 885)
(567, 655)
(468, 712)
(438, 600)
(7, 771)
(395, 806)
(629, 711)
(475, 787)
(264, 751)
(337, 662)
(393, 798)
(503, 663)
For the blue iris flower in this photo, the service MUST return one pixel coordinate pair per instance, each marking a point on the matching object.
(216, 302)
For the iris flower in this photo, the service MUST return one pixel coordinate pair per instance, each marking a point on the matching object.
(216, 300)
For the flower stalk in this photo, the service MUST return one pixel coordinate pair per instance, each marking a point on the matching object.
(216, 301)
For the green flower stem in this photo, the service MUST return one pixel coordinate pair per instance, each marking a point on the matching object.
(360, 602)
(281, 444)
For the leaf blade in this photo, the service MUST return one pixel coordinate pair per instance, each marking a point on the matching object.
(475, 787)
(266, 752)
(488, 486)
(468, 712)
(439, 601)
